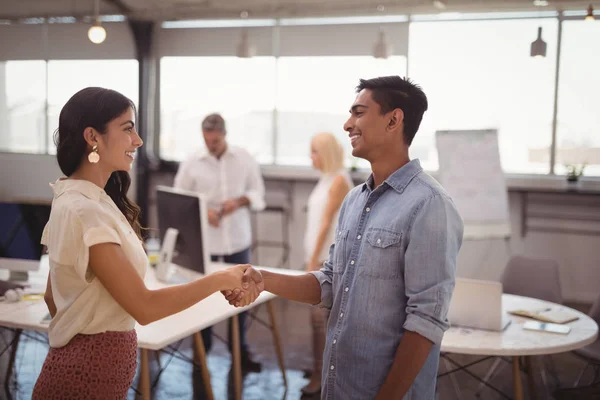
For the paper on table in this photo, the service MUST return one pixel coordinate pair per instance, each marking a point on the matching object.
(556, 316)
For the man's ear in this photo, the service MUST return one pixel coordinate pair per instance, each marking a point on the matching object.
(396, 119)
(91, 136)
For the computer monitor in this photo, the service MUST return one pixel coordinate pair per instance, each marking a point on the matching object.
(182, 223)
(21, 227)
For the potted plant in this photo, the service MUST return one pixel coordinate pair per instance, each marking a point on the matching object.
(574, 171)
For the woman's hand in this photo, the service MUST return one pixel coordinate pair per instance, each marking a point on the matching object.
(232, 278)
(252, 285)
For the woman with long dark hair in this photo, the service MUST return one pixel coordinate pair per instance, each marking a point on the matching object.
(95, 290)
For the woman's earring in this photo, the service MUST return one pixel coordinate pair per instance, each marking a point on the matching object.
(94, 157)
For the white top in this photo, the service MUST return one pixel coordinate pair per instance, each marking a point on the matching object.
(234, 175)
(516, 341)
(83, 215)
(317, 201)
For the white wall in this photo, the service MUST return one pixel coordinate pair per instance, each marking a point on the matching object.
(25, 177)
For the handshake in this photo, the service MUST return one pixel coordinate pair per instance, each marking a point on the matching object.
(244, 284)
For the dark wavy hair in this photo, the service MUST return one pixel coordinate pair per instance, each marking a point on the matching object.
(94, 107)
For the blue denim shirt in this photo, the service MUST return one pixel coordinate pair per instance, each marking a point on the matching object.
(392, 268)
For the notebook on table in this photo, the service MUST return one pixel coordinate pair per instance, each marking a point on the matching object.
(553, 315)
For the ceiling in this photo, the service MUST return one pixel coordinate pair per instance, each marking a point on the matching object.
(190, 9)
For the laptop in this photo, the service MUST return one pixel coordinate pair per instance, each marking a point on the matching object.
(478, 304)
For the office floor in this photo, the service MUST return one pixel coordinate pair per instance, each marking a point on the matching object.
(181, 381)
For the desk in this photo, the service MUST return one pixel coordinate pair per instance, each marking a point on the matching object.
(517, 342)
(27, 315)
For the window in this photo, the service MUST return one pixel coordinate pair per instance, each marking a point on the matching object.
(65, 78)
(242, 90)
(314, 95)
(578, 119)
(22, 106)
(479, 75)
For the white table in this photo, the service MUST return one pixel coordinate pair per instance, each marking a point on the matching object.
(28, 315)
(517, 342)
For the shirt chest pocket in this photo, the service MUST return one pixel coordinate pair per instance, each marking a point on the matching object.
(339, 251)
(382, 255)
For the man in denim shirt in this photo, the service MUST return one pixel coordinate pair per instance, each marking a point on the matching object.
(391, 270)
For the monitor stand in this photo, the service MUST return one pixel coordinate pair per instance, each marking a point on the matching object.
(163, 267)
(165, 271)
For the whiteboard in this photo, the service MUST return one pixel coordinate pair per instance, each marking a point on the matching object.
(471, 173)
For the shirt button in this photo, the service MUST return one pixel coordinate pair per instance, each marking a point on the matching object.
(378, 240)
(368, 209)
(345, 290)
(358, 237)
(332, 368)
(334, 341)
(341, 315)
(352, 262)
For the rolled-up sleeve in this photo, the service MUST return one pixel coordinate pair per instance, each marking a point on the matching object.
(96, 228)
(325, 278)
(255, 191)
(435, 237)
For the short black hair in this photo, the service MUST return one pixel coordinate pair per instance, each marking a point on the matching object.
(392, 92)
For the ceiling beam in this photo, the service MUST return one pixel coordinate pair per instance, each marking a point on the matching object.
(121, 6)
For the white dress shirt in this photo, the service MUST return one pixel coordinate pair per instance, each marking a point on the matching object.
(83, 215)
(234, 175)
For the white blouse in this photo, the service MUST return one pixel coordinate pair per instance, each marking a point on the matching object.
(83, 215)
(317, 201)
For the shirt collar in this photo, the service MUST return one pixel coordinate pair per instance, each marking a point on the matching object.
(204, 153)
(400, 178)
(86, 188)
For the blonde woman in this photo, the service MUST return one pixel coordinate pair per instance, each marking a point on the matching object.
(324, 203)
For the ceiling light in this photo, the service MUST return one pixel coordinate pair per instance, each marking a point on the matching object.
(97, 33)
(382, 48)
(538, 46)
(440, 4)
(590, 14)
(540, 3)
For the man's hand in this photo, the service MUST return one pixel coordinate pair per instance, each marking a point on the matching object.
(214, 218)
(252, 286)
(229, 206)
